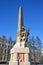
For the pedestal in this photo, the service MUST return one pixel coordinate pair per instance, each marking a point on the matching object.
(15, 52)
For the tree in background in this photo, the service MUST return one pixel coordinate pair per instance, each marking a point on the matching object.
(35, 48)
(38, 42)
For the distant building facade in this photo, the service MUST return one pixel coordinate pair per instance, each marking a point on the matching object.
(42, 55)
(42, 51)
(5, 46)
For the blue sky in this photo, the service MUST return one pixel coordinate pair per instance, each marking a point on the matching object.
(32, 14)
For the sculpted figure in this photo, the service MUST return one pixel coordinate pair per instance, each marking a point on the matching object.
(21, 57)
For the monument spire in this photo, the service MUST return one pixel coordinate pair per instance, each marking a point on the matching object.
(22, 33)
(20, 20)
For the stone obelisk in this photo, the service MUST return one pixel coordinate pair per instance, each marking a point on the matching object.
(20, 51)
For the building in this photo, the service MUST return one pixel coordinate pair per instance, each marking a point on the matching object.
(42, 51)
(42, 55)
(5, 46)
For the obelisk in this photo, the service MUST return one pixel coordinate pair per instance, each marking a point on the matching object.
(20, 51)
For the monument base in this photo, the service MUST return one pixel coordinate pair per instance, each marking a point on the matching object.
(18, 63)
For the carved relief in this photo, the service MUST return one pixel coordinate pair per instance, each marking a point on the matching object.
(21, 57)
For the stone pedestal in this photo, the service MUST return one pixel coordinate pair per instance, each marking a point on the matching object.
(15, 52)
